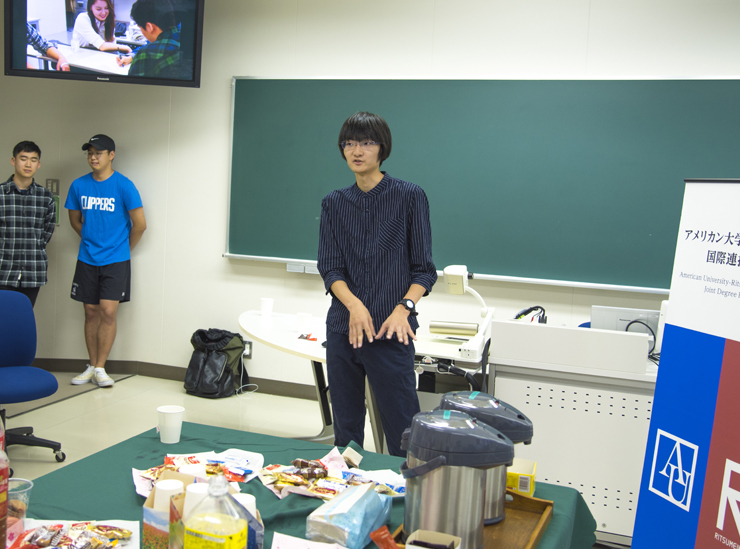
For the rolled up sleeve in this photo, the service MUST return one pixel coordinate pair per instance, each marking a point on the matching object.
(423, 270)
(330, 258)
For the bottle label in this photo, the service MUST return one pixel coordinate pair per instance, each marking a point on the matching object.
(4, 474)
(195, 539)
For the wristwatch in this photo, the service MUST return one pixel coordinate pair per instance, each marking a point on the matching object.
(409, 305)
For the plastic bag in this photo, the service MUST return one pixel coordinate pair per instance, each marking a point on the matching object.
(349, 518)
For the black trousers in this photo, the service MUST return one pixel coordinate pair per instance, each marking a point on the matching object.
(30, 293)
(389, 367)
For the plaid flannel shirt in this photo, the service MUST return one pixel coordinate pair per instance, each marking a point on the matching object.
(36, 40)
(160, 58)
(26, 225)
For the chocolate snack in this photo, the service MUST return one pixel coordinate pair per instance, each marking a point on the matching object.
(312, 472)
(305, 463)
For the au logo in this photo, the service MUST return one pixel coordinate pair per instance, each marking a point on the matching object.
(674, 464)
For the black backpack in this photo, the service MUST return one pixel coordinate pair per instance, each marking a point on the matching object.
(216, 368)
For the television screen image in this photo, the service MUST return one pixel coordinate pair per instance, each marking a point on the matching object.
(136, 41)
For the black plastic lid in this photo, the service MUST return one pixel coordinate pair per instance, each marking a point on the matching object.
(460, 438)
(491, 411)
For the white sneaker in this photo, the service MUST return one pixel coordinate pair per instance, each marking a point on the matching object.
(84, 377)
(101, 378)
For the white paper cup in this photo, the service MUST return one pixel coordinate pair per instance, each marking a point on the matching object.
(266, 304)
(247, 501)
(194, 494)
(165, 489)
(170, 423)
(303, 323)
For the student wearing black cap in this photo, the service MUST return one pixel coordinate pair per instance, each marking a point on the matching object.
(105, 209)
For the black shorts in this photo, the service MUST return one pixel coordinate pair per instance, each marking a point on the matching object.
(111, 282)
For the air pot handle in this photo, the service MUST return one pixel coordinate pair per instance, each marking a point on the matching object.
(427, 467)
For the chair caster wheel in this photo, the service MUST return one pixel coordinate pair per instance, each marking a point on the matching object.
(60, 456)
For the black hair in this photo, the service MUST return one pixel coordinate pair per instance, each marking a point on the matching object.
(364, 126)
(157, 12)
(28, 147)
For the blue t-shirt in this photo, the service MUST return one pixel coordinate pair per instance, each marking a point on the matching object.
(105, 220)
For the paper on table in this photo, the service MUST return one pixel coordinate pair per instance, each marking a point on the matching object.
(334, 461)
(384, 476)
(143, 486)
(282, 541)
(256, 461)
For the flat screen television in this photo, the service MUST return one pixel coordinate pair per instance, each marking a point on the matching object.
(100, 40)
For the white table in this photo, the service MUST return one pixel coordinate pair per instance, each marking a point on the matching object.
(280, 331)
(93, 60)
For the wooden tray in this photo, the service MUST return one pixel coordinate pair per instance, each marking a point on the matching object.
(525, 522)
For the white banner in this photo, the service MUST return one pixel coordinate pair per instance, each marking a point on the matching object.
(706, 273)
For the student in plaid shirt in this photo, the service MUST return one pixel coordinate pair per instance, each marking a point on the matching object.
(27, 217)
(45, 48)
(161, 56)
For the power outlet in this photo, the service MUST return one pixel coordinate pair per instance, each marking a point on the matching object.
(247, 349)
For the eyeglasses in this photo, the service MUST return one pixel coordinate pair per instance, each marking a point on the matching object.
(364, 145)
(96, 155)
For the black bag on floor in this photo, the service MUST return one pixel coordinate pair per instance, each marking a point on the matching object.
(216, 368)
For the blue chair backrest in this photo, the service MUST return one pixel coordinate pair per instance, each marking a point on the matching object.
(17, 330)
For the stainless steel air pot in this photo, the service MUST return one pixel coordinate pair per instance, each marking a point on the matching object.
(449, 453)
(507, 420)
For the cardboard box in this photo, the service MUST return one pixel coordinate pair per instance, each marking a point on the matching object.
(433, 537)
(155, 532)
(520, 476)
(165, 530)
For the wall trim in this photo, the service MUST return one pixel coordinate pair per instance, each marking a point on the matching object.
(175, 373)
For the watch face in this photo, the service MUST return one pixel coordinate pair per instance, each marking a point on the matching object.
(409, 304)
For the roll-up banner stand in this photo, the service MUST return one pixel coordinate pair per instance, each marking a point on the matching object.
(690, 487)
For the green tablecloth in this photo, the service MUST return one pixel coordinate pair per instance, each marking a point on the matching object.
(101, 486)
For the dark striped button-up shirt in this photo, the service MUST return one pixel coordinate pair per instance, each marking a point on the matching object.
(379, 243)
(26, 225)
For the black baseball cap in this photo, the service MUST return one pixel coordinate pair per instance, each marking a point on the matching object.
(100, 142)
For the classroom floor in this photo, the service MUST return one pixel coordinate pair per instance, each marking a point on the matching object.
(93, 421)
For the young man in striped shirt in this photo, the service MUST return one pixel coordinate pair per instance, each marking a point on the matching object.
(375, 256)
(27, 217)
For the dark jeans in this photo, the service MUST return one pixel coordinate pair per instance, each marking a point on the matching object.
(389, 367)
(30, 293)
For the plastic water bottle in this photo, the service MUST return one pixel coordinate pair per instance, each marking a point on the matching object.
(4, 474)
(217, 522)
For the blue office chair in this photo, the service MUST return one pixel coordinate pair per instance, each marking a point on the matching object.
(19, 381)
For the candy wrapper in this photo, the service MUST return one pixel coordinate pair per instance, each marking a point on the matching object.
(326, 478)
(349, 518)
(79, 535)
(236, 465)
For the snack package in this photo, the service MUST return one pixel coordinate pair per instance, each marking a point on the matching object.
(349, 518)
(79, 535)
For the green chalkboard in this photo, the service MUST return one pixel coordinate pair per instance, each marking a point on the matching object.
(578, 181)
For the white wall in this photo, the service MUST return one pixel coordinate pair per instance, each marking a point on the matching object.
(174, 143)
(50, 14)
